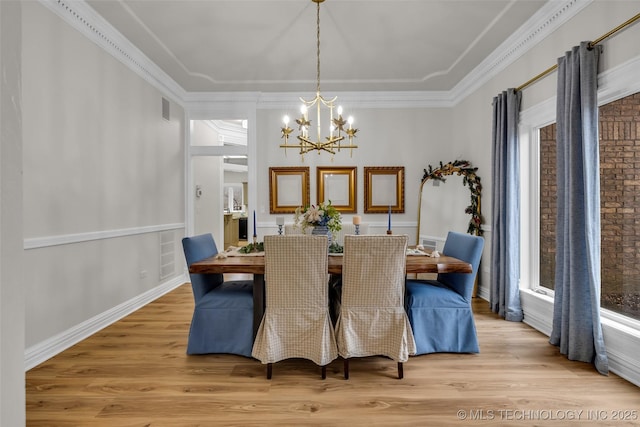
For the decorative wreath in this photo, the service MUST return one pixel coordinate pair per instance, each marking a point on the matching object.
(470, 179)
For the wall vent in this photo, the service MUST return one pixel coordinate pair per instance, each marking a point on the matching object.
(165, 109)
(429, 244)
(167, 255)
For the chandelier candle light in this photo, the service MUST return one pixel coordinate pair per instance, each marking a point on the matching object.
(336, 125)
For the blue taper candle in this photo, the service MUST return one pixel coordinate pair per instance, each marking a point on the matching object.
(254, 224)
(389, 218)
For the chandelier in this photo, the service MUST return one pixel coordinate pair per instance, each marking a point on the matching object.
(337, 126)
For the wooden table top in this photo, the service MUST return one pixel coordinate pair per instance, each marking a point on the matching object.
(255, 265)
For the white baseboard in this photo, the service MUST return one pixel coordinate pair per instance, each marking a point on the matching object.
(622, 343)
(48, 348)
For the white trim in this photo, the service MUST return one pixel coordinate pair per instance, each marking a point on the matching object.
(539, 115)
(382, 225)
(622, 336)
(217, 150)
(623, 343)
(623, 347)
(65, 239)
(353, 100)
(231, 167)
(231, 134)
(538, 310)
(549, 18)
(630, 324)
(619, 82)
(48, 348)
(93, 26)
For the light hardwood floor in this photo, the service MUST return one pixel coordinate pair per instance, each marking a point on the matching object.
(136, 373)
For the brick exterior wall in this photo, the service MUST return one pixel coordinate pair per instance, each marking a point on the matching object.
(548, 205)
(620, 204)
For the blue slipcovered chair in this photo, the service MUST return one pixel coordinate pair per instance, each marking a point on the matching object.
(223, 316)
(440, 310)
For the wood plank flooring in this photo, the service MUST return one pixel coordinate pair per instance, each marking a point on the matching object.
(136, 373)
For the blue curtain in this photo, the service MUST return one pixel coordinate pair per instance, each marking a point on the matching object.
(576, 311)
(505, 240)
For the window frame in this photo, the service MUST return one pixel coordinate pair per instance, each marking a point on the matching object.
(613, 84)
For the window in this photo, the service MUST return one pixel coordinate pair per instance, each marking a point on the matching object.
(619, 123)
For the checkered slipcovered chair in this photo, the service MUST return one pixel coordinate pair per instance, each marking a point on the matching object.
(296, 321)
(294, 229)
(371, 319)
(349, 229)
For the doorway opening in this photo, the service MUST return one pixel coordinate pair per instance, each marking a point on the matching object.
(219, 179)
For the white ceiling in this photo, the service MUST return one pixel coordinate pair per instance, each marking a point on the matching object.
(270, 45)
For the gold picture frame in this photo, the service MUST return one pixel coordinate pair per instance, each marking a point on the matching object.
(384, 189)
(337, 184)
(288, 189)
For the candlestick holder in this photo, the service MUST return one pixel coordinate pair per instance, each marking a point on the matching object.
(280, 229)
(357, 229)
(389, 232)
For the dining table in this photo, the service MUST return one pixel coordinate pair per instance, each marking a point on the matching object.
(232, 261)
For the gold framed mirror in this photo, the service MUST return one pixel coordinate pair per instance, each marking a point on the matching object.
(383, 189)
(288, 188)
(455, 196)
(338, 185)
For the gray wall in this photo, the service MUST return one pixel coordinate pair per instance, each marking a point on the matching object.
(12, 393)
(103, 180)
(104, 174)
(409, 137)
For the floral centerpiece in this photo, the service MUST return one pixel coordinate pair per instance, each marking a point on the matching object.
(324, 214)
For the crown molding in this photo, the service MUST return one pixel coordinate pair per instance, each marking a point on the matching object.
(89, 23)
(231, 134)
(382, 99)
(544, 22)
(288, 100)
(82, 17)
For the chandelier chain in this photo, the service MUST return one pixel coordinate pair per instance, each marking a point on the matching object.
(318, 46)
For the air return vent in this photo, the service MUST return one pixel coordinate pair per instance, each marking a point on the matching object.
(167, 255)
(429, 244)
(165, 109)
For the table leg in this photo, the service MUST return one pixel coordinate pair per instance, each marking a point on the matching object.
(258, 301)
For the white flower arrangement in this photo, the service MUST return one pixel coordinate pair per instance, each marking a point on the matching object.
(322, 214)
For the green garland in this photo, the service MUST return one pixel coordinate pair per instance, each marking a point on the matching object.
(470, 179)
(247, 249)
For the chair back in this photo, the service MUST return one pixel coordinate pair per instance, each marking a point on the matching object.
(197, 248)
(349, 229)
(290, 229)
(373, 270)
(296, 321)
(373, 276)
(295, 271)
(468, 248)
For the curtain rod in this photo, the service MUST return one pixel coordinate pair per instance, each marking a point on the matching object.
(591, 44)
